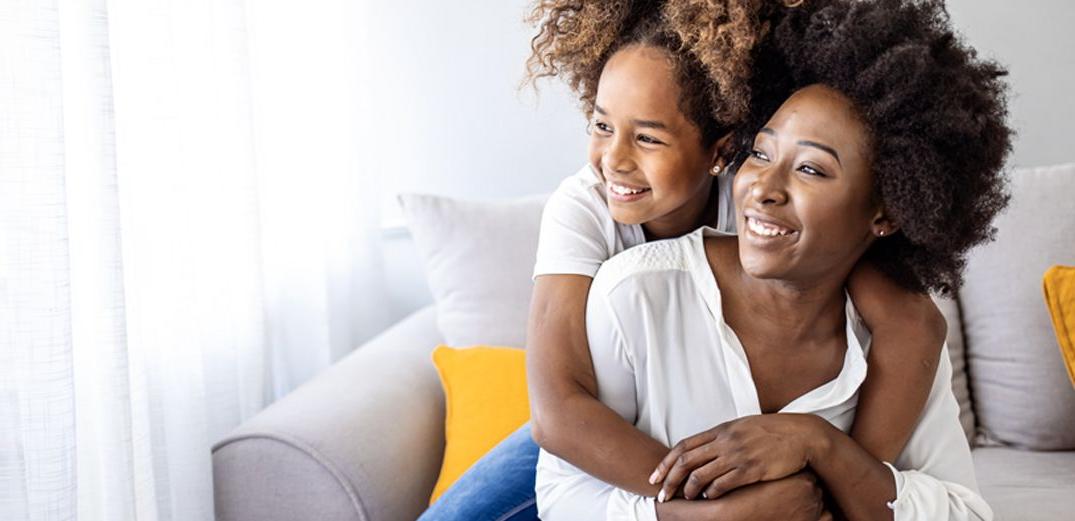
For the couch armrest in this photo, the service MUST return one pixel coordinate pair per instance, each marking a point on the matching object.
(361, 441)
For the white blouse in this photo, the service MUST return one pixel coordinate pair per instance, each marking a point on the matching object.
(666, 361)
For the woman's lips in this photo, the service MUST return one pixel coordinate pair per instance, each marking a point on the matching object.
(767, 228)
(765, 234)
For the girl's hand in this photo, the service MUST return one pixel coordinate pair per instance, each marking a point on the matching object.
(736, 453)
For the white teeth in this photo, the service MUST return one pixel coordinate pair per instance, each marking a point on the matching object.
(765, 229)
(623, 190)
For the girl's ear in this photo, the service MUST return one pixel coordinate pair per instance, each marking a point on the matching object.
(721, 154)
(882, 225)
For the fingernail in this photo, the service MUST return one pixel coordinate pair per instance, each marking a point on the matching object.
(653, 477)
(660, 496)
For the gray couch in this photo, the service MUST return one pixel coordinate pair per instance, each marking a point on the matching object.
(364, 440)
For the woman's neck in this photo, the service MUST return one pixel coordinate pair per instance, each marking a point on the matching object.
(787, 313)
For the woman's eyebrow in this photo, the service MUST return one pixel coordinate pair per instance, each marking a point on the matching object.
(806, 142)
(643, 123)
(825, 148)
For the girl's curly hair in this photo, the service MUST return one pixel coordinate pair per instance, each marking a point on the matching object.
(709, 42)
(937, 115)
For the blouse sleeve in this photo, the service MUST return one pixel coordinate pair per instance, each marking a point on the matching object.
(613, 362)
(935, 473)
(614, 367)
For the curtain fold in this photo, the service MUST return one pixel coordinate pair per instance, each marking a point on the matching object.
(187, 232)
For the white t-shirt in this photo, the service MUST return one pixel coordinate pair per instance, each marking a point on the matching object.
(666, 361)
(578, 232)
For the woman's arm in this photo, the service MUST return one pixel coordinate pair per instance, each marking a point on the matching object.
(567, 418)
(908, 331)
(794, 498)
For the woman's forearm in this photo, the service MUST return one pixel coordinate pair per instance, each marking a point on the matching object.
(793, 498)
(859, 483)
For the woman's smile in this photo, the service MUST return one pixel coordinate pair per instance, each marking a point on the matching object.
(764, 235)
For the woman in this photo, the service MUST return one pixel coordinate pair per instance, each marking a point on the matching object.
(890, 148)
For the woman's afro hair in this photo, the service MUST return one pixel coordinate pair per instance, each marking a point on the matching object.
(709, 42)
(936, 113)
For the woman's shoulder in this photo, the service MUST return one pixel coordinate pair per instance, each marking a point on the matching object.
(647, 259)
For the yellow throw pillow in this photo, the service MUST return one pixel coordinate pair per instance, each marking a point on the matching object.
(1060, 297)
(485, 401)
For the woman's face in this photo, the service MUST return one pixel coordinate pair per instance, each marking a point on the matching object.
(649, 154)
(804, 196)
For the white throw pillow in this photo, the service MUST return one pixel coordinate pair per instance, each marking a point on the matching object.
(1022, 395)
(479, 258)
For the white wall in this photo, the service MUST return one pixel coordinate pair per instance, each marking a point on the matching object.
(449, 118)
(1034, 39)
(453, 123)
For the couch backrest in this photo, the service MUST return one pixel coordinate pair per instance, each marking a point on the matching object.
(1009, 380)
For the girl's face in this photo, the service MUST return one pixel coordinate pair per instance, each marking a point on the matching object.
(656, 171)
(804, 196)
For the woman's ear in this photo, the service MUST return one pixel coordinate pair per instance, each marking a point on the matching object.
(882, 225)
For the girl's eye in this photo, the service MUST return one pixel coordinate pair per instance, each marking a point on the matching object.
(759, 155)
(649, 140)
(602, 127)
(809, 170)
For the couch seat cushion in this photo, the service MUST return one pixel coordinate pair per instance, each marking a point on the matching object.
(1024, 485)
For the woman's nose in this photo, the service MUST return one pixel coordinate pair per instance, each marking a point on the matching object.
(769, 186)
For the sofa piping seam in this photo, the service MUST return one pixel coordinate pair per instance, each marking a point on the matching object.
(352, 494)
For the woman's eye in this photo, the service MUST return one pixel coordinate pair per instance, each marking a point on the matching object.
(602, 127)
(809, 170)
(649, 140)
(759, 155)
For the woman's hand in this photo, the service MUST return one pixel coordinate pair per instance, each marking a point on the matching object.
(794, 498)
(747, 450)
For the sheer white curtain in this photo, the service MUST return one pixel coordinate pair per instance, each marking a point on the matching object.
(187, 232)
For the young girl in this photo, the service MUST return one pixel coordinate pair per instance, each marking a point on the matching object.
(890, 115)
(664, 84)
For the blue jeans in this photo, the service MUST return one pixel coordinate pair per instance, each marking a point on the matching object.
(499, 487)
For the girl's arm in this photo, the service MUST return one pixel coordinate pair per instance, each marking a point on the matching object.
(908, 332)
(939, 482)
(567, 419)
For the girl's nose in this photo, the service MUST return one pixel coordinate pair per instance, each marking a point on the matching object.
(617, 158)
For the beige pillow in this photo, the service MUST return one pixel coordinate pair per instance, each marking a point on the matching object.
(1020, 387)
(479, 257)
